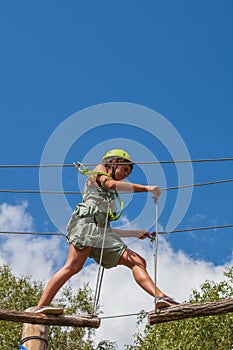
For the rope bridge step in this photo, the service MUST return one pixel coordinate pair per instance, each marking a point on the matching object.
(61, 320)
(180, 312)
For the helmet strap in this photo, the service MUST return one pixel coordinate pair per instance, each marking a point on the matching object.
(112, 166)
(113, 171)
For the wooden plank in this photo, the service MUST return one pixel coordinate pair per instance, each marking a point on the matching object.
(61, 320)
(183, 311)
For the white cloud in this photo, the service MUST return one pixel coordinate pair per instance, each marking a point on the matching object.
(35, 256)
(15, 217)
(177, 275)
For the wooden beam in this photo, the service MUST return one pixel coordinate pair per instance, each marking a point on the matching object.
(61, 320)
(190, 310)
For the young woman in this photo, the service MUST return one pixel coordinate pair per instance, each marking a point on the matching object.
(86, 227)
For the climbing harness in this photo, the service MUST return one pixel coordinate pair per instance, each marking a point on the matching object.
(89, 173)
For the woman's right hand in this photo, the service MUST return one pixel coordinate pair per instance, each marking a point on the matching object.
(156, 191)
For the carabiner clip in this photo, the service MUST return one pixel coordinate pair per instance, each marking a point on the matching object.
(78, 165)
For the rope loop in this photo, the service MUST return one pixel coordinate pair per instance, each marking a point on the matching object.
(35, 337)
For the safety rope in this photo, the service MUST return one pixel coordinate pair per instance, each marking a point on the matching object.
(98, 290)
(155, 252)
(100, 269)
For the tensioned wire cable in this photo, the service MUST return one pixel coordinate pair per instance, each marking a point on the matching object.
(196, 229)
(42, 192)
(197, 185)
(33, 233)
(123, 315)
(78, 192)
(75, 192)
(160, 232)
(136, 162)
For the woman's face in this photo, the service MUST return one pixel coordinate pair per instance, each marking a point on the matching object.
(122, 171)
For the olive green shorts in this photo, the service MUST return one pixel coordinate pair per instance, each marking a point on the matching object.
(113, 250)
(84, 232)
(113, 245)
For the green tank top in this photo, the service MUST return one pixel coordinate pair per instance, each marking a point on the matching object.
(101, 197)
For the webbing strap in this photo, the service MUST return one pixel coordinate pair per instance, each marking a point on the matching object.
(89, 173)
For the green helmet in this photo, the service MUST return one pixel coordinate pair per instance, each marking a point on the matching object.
(117, 153)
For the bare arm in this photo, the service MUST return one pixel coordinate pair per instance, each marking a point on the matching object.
(141, 234)
(126, 186)
(132, 187)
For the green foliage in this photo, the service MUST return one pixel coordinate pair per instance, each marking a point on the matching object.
(16, 293)
(19, 293)
(203, 333)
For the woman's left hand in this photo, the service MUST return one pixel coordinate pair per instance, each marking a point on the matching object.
(144, 234)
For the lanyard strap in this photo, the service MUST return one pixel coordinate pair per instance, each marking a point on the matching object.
(89, 173)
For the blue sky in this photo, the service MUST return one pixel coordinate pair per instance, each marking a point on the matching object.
(173, 57)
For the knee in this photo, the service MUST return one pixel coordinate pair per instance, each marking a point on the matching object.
(142, 262)
(72, 269)
(132, 260)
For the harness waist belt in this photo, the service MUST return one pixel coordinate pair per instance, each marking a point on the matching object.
(92, 220)
(87, 220)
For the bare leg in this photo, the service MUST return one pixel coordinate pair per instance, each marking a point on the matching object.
(73, 265)
(138, 266)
